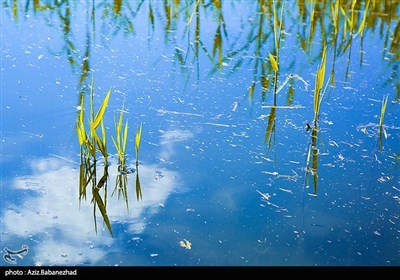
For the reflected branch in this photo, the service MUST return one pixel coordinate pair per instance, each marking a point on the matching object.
(270, 132)
(138, 186)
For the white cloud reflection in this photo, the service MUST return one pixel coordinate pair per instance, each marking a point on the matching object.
(170, 138)
(63, 229)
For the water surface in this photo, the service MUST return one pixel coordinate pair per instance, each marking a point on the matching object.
(199, 78)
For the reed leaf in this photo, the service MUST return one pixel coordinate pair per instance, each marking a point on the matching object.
(103, 134)
(383, 110)
(275, 29)
(349, 23)
(80, 126)
(194, 11)
(125, 136)
(80, 133)
(118, 127)
(137, 140)
(91, 117)
(151, 15)
(100, 145)
(117, 147)
(101, 111)
(319, 81)
(343, 11)
(274, 63)
(362, 24)
(335, 16)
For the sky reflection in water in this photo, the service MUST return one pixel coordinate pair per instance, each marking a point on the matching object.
(205, 109)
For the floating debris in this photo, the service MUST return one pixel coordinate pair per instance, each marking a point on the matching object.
(265, 196)
(284, 107)
(333, 143)
(288, 177)
(285, 190)
(348, 144)
(377, 233)
(163, 112)
(396, 188)
(235, 106)
(185, 244)
(218, 124)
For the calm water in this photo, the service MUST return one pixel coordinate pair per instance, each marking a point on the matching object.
(207, 175)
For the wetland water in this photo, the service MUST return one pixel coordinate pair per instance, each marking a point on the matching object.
(227, 176)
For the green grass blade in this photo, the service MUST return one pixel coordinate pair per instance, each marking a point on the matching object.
(194, 11)
(274, 63)
(275, 29)
(103, 133)
(120, 154)
(101, 146)
(101, 111)
(125, 137)
(362, 24)
(119, 128)
(138, 138)
(319, 81)
(383, 110)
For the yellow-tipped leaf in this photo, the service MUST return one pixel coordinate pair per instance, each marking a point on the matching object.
(100, 113)
(138, 137)
(274, 63)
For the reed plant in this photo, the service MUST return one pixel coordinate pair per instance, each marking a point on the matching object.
(312, 150)
(92, 139)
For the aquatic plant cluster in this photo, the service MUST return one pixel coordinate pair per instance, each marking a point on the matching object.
(91, 143)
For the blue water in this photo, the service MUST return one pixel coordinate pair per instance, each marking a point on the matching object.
(203, 160)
